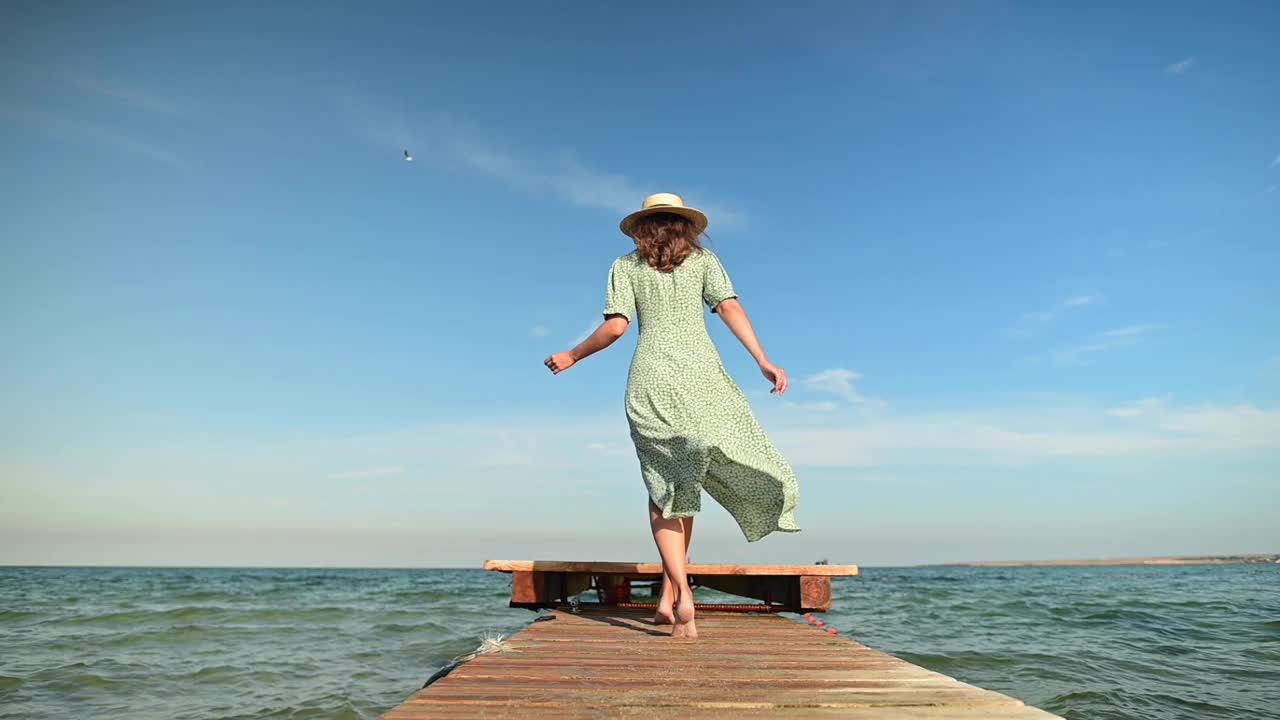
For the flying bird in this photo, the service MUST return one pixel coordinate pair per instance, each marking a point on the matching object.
(407, 156)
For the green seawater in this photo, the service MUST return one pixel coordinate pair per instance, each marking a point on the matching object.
(148, 643)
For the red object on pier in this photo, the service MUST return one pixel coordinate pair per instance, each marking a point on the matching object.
(819, 623)
(616, 593)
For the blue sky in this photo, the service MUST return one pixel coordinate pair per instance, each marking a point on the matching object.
(1019, 262)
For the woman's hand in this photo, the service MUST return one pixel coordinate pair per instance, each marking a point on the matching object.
(559, 362)
(604, 336)
(775, 375)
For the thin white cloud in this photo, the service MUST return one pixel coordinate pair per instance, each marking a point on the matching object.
(1109, 340)
(1030, 323)
(462, 146)
(613, 449)
(1234, 427)
(838, 382)
(1145, 406)
(1276, 162)
(1131, 331)
(1032, 436)
(585, 186)
(1180, 67)
(1080, 301)
(126, 93)
(539, 331)
(1079, 353)
(74, 130)
(821, 406)
(370, 473)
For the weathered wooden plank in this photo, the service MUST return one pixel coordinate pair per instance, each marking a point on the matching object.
(604, 696)
(652, 568)
(615, 663)
(569, 712)
(765, 670)
(817, 679)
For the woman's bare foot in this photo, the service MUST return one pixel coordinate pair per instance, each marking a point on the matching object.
(663, 615)
(684, 626)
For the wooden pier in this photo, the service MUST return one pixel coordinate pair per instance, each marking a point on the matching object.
(599, 660)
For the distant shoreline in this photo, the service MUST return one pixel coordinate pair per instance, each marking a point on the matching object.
(1169, 560)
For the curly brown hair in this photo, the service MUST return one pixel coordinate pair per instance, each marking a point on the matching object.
(666, 239)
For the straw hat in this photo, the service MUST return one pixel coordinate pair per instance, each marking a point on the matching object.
(663, 202)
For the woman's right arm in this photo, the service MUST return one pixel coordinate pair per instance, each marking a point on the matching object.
(735, 317)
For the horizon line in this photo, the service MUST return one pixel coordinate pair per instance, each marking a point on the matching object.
(1119, 560)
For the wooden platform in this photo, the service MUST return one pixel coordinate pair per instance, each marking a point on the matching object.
(608, 662)
(551, 583)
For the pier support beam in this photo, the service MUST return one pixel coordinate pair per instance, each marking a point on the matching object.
(550, 584)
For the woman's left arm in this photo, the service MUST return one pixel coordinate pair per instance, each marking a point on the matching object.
(614, 327)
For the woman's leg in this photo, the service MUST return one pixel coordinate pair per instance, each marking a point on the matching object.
(667, 598)
(668, 535)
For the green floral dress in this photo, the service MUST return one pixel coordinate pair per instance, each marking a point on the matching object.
(691, 424)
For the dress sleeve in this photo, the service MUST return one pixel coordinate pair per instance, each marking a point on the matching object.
(716, 287)
(620, 298)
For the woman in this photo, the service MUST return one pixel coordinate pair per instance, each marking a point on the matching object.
(691, 425)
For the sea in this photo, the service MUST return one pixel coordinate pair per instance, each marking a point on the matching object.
(1102, 643)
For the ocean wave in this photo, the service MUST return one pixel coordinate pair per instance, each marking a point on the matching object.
(8, 682)
(16, 615)
(208, 613)
(83, 680)
(175, 635)
(422, 627)
(423, 595)
(1127, 615)
(207, 595)
(1122, 704)
(215, 674)
(940, 661)
(130, 617)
